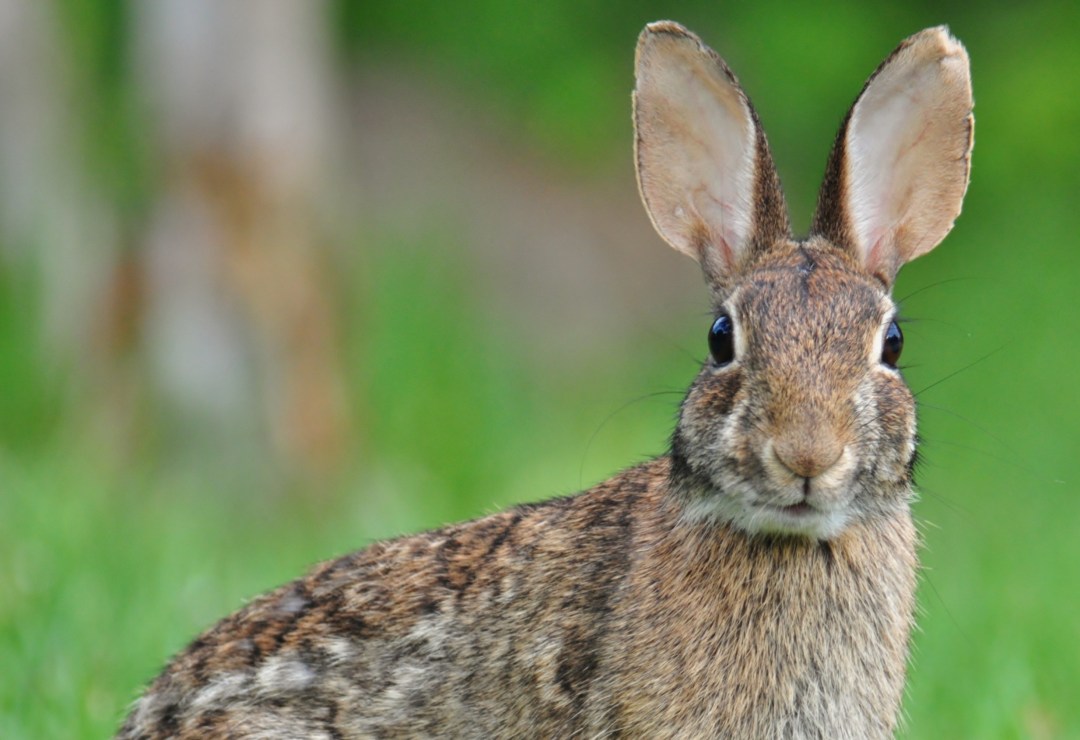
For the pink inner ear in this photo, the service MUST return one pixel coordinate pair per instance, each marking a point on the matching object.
(726, 255)
(874, 257)
(883, 258)
(724, 220)
(907, 147)
(713, 252)
(696, 150)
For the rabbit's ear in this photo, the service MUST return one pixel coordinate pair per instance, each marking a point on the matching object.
(899, 168)
(703, 164)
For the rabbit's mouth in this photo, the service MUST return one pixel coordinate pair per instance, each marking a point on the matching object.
(802, 512)
(821, 514)
(797, 510)
(802, 518)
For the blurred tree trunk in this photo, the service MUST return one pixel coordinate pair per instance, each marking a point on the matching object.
(239, 306)
(52, 224)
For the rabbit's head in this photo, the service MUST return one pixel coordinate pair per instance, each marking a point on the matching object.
(799, 423)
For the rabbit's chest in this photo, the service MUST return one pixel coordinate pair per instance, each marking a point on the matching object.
(791, 646)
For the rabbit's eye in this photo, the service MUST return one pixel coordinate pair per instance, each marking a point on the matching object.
(722, 340)
(894, 343)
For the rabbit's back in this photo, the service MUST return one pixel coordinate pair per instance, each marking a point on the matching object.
(467, 630)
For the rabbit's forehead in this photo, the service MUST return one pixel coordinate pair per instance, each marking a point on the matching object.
(797, 308)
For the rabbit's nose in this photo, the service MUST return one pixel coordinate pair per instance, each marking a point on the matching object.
(809, 454)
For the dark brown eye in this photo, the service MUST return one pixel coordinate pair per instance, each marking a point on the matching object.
(722, 340)
(894, 343)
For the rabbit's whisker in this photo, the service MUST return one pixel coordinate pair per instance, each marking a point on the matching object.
(954, 373)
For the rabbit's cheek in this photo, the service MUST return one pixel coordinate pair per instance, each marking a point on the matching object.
(716, 392)
(886, 419)
(709, 408)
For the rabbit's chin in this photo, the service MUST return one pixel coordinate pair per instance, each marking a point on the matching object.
(755, 516)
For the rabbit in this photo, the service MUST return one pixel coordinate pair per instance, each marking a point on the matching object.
(757, 580)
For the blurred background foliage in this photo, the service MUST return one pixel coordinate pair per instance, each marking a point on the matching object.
(280, 278)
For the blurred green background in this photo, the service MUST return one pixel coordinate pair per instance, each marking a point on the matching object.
(277, 279)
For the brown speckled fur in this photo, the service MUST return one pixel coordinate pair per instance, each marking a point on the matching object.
(758, 581)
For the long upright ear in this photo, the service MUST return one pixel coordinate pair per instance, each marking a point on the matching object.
(899, 168)
(703, 164)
